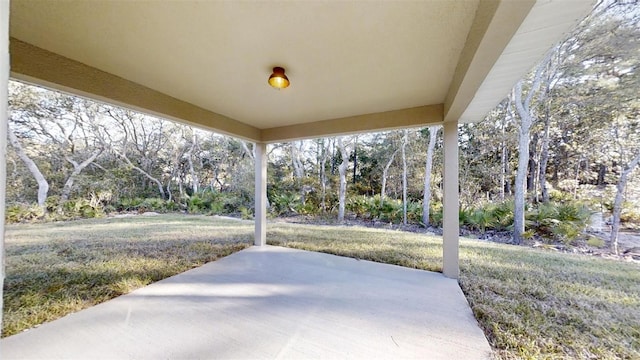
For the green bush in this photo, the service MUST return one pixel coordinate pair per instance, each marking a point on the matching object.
(554, 221)
(385, 209)
(152, 204)
(502, 214)
(414, 212)
(481, 220)
(171, 205)
(212, 202)
(128, 204)
(246, 213)
(17, 213)
(82, 208)
(435, 215)
(285, 203)
(374, 208)
(559, 221)
(630, 217)
(595, 242)
(360, 205)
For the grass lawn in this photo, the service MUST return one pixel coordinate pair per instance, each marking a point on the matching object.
(530, 303)
(55, 269)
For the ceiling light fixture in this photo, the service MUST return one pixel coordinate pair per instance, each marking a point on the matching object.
(278, 79)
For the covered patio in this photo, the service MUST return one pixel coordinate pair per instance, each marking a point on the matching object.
(354, 67)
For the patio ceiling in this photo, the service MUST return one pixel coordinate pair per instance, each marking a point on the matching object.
(354, 66)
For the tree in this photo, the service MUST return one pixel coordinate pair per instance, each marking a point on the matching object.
(617, 204)
(385, 172)
(342, 170)
(189, 154)
(43, 185)
(141, 139)
(296, 148)
(426, 200)
(523, 107)
(403, 146)
(64, 124)
(323, 173)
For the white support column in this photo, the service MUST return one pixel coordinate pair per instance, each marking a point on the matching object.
(450, 220)
(261, 194)
(4, 84)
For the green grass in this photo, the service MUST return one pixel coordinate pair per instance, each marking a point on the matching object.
(532, 304)
(55, 269)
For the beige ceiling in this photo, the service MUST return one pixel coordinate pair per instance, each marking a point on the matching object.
(354, 66)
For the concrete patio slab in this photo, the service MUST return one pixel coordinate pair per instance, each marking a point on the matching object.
(270, 303)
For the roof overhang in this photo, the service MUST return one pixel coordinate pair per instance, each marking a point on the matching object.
(354, 66)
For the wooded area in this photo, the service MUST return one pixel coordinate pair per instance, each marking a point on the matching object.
(565, 143)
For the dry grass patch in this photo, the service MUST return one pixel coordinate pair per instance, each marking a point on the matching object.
(58, 268)
(532, 304)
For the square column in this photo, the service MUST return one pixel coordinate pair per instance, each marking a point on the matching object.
(4, 101)
(260, 199)
(450, 206)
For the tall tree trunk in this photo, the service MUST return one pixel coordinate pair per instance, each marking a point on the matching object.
(602, 173)
(195, 181)
(544, 152)
(577, 178)
(323, 176)
(617, 204)
(342, 170)
(523, 162)
(43, 185)
(503, 163)
(507, 169)
(77, 169)
(544, 156)
(333, 156)
(523, 107)
(426, 197)
(355, 159)
(533, 166)
(404, 177)
(385, 172)
(298, 168)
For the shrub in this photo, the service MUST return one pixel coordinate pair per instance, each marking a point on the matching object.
(385, 209)
(152, 204)
(24, 213)
(128, 204)
(246, 213)
(214, 202)
(435, 216)
(559, 221)
(285, 203)
(360, 205)
(502, 215)
(481, 220)
(595, 242)
(171, 205)
(630, 217)
(82, 208)
(414, 212)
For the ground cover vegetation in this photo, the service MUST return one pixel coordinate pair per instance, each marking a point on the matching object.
(531, 303)
(56, 268)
